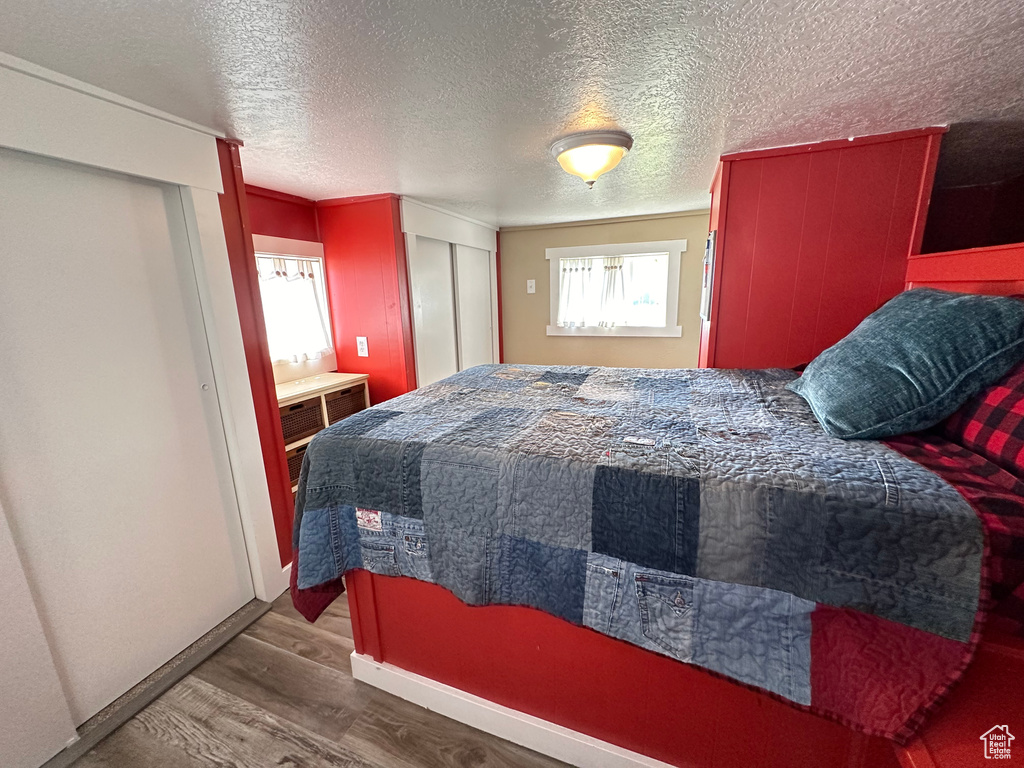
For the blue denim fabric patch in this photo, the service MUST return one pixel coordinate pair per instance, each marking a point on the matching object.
(571, 377)
(414, 551)
(392, 545)
(379, 556)
(552, 579)
(796, 525)
(329, 543)
(459, 488)
(650, 520)
(733, 528)
(551, 501)
(492, 428)
(606, 385)
(360, 471)
(412, 496)
(667, 392)
(674, 427)
(667, 611)
(651, 609)
(754, 635)
(687, 524)
(880, 568)
(757, 636)
(362, 422)
(410, 426)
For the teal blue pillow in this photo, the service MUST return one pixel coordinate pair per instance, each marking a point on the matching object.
(913, 362)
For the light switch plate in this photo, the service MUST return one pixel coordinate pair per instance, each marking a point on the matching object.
(361, 349)
(531, 286)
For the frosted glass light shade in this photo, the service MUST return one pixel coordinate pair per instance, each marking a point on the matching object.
(589, 155)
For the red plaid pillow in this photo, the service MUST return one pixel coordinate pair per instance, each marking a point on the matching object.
(992, 423)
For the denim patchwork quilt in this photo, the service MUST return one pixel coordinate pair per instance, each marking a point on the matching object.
(700, 514)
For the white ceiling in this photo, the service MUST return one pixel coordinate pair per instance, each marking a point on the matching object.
(455, 102)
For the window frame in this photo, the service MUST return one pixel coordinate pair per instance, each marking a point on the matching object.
(674, 248)
(287, 248)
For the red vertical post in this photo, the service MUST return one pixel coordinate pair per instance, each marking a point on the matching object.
(497, 277)
(245, 278)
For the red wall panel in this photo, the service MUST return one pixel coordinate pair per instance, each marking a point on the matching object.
(281, 215)
(734, 263)
(367, 281)
(238, 235)
(811, 240)
(815, 230)
(865, 189)
(768, 316)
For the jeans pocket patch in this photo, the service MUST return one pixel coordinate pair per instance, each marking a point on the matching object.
(417, 559)
(666, 612)
(379, 557)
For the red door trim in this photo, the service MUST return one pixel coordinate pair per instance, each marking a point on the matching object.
(404, 292)
(245, 279)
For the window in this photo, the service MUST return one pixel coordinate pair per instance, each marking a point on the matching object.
(629, 289)
(295, 307)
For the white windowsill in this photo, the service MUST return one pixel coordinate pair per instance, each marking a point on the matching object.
(621, 330)
(287, 371)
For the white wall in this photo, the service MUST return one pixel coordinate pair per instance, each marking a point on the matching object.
(35, 722)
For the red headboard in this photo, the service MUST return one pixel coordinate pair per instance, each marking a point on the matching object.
(998, 270)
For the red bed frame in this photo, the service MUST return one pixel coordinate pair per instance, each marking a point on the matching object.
(535, 663)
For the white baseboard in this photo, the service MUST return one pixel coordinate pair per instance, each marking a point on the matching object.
(526, 730)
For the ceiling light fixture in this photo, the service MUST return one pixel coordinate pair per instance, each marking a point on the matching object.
(590, 154)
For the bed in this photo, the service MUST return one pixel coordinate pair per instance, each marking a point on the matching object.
(793, 572)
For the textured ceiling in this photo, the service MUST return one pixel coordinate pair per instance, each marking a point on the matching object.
(455, 102)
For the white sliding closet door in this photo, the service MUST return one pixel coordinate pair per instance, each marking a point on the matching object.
(473, 282)
(433, 307)
(114, 470)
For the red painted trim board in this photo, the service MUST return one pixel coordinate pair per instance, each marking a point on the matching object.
(998, 263)
(821, 146)
(404, 292)
(244, 277)
(334, 201)
(719, 211)
(281, 215)
(501, 324)
(924, 193)
(285, 197)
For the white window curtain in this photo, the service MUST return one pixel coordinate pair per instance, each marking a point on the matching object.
(610, 291)
(294, 307)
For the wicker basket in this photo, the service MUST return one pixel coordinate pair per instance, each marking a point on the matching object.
(344, 403)
(300, 420)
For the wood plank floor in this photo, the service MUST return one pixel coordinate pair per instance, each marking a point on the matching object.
(282, 694)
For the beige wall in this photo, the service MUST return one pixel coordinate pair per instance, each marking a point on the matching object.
(525, 316)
